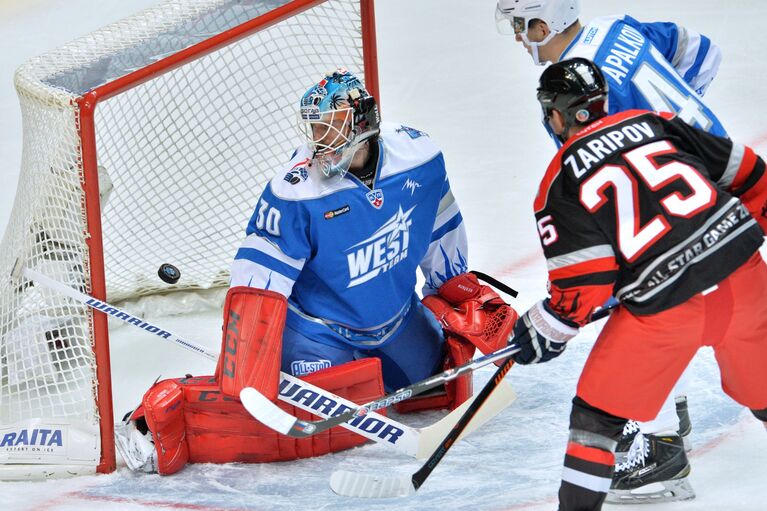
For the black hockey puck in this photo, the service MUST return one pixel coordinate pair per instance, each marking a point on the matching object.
(169, 273)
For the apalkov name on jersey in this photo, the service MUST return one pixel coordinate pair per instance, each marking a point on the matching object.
(381, 251)
(623, 52)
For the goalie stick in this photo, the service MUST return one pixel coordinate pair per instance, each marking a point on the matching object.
(413, 442)
(265, 411)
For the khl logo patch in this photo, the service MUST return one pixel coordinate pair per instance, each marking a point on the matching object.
(376, 198)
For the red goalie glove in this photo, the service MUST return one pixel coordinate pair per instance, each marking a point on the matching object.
(472, 316)
(473, 312)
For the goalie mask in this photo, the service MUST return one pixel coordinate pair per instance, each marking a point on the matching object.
(577, 89)
(337, 116)
(513, 17)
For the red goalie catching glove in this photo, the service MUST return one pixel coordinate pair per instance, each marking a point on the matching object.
(473, 312)
(472, 316)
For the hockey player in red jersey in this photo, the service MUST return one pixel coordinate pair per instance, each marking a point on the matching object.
(651, 66)
(669, 220)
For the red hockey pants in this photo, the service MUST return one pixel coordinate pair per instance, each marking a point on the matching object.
(637, 359)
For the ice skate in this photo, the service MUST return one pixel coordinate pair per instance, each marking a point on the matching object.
(631, 430)
(655, 470)
(685, 426)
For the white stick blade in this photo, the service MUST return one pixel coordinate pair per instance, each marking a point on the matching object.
(265, 411)
(354, 484)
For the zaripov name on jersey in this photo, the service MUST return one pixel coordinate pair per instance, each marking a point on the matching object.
(599, 148)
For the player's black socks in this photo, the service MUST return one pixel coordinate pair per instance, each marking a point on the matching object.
(590, 457)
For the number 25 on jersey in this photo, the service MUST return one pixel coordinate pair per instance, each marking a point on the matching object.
(633, 238)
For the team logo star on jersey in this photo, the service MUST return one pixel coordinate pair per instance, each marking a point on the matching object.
(381, 251)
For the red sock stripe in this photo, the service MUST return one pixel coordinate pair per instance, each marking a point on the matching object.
(591, 454)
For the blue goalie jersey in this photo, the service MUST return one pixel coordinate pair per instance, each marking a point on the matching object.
(347, 254)
(661, 67)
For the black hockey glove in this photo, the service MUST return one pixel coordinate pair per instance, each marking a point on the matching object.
(541, 334)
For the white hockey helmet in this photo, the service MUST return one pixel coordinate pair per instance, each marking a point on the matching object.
(513, 17)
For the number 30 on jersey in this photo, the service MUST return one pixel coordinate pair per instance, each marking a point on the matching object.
(268, 218)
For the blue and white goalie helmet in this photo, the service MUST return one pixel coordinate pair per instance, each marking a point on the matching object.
(336, 116)
(513, 17)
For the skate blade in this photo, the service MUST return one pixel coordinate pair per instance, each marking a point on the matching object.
(666, 491)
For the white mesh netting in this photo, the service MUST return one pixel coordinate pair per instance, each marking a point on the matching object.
(182, 159)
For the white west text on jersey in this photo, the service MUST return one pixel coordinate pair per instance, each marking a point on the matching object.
(381, 251)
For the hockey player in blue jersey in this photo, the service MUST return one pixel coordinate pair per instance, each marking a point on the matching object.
(662, 67)
(651, 66)
(341, 231)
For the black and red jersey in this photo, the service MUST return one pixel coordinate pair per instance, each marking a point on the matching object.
(645, 208)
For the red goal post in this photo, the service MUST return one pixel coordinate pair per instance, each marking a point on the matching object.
(147, 141)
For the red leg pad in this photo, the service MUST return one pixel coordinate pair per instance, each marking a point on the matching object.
(219, 430)
(252, 342)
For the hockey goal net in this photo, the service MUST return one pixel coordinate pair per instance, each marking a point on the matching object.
(147, 141)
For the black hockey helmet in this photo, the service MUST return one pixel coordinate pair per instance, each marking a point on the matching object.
(577, 89)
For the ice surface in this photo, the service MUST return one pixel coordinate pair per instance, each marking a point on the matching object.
(444, 70)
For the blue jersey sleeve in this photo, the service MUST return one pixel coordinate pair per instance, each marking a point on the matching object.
(641, 78)
(276, 247)
(447, 254)
(692, 55)
(664, 35)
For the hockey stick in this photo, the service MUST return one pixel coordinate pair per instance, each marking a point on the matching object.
(260, 407)
(410, 441)
(354, 484)
(265, 411)
(418, 443)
